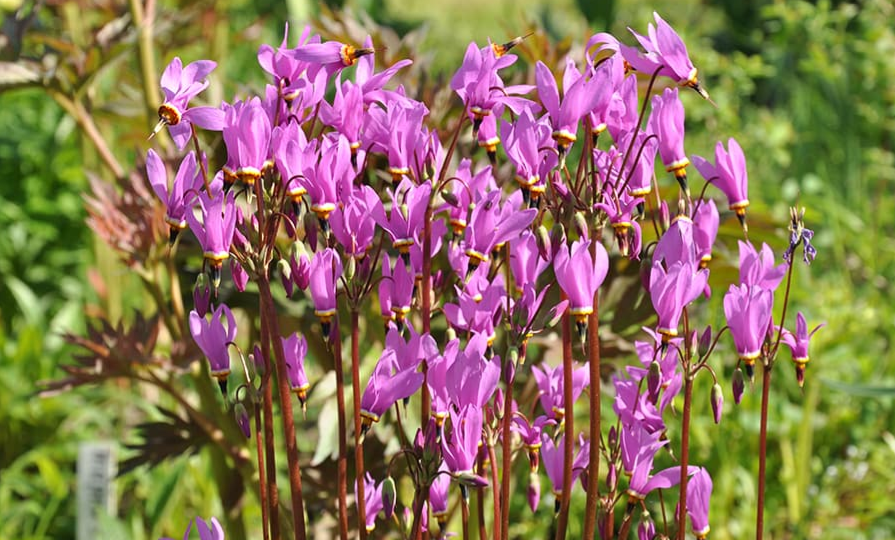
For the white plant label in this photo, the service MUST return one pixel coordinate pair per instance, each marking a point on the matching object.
(96, 476)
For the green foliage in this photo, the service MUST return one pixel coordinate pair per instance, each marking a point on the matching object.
(809, 91)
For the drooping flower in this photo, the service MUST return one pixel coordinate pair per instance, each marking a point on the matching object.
(329, 179)
(667, 122)
(580, 274)
(479, 304)
(798, 345)
(666, 52)
(671, 290)
(396, 289)
(480, 87)
(215, 232)
(757, 267)
(214, 340)
(387, 384)
(729, 175)
(748, 311)
(214, 531)
(438, 495)
(581, 95)
(553, 460)
(181, 84)
(523, 141)
(352, 223)
(247, 134)
(551, 386)
(406, 217)
(296, 349)
(490, 224)
(326, 268)
(460, 445)
(699, 492)
(471, 378)
(186, 187)
(621, 216)
(705, 230)
(373, 503)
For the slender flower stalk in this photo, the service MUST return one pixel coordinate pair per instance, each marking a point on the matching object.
(268, 312)
(569, 423)
(358, 439)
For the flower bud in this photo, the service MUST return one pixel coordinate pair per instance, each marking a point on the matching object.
(542, 239)
(450, 198)
(202, 295)
(613, 437)
(646, 529)
(717, 402)
(705, 342)
(664, 216)
(389, 497)
(513, 356)
(257, 360)
(739, 385)
(557, 238)
(694, 342)
(469, 479)
(310, 226)
(242, 419)
(450, 334)
(534, 491)
(350, 268)
(285, 269)
(498, 403)
(580, 224)
(612, 477)
(653, 380)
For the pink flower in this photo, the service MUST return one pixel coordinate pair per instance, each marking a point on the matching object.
(580, 274)
(326, 268)
(798, 345)
(180, 85)
(666, 52)
(214, 340)
(296, 349)
(187, 184)
(748, 311)
(667, 122)
(729, 175)
(699, 492)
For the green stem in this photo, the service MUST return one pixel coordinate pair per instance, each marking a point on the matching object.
(762, 449)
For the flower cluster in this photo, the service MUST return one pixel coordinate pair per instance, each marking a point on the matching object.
(368, 196)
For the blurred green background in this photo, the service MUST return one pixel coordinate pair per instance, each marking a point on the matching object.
(807, 88)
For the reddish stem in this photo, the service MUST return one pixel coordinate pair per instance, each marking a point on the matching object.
(273, 494)
(358, 442)
(685, 454)
(506, 463)
(569, 420)
(342, 463)
(593, 476)
(268, 312)
(262, 476)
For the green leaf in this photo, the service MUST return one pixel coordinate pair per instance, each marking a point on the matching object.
(861, 390)
(27, 301)
(161, 495)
